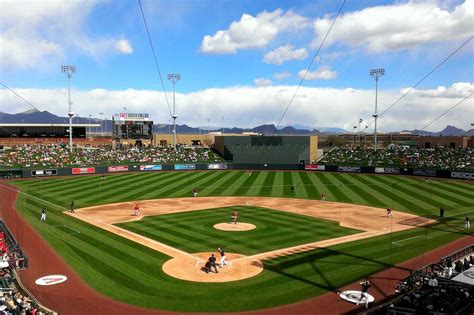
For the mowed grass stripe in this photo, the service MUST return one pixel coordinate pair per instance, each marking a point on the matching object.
(442, 194)
(231, 179)
(466, 187)
(278, 188)
(385, 195)
(454, 191)
(88, 181)
(363, 193)
(208, 184)
(335, 187)
(106, 191)
(117, 186)
(423, 191)
(287, 183)
(311, 190)
(245, 187)
(267, 186)
(121, 276)
(424, 206)
(300, 190)
(234, 188)
(158, 180)
(186, 181)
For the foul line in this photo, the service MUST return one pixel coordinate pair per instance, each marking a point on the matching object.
(100, 223)
(410, 238)
(34, 197)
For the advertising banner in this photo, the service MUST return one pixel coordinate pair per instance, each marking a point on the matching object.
(462, 175)
(150, 168)
(216, 166)
(120, 168)
(183, 167)
(353, 169)
(387, 170)
(424, 172)
(83, 170)
(52, 172)
(314, 167)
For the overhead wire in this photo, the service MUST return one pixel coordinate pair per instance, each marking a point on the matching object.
(310, 64)
(155, 58)
(27, 102)
(306, 73)
(422, 79)
(447, 111)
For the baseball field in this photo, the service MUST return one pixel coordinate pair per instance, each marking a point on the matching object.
(303, 247)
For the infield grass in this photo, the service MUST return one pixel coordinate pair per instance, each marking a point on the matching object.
(132, 273)
(193, 231)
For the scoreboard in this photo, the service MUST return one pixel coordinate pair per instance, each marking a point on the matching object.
(133, 127)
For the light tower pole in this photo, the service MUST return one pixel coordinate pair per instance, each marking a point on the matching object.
(173, 77)
(360, 121)
(376, 73)
(101, 119)
(69, 71)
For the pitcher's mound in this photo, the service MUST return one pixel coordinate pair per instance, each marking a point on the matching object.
(240, 226)
(190, 269)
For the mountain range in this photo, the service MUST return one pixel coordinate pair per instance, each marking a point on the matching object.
(35, 116)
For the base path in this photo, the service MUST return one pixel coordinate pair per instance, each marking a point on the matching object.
(371, 221)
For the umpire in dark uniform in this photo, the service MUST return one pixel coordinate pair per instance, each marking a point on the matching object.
(212, 262)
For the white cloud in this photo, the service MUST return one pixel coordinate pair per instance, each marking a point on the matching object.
(262, 82)
(37, 34)
(251, 106)
(252, 32)
(123, 46)
(281, 75)
(285, 53)
(399, 26)
(323, 73)
(457, 90)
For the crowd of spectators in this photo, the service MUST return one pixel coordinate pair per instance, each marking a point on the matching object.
(431, 290)
(59, 155)
(12, 302)
(402, 156)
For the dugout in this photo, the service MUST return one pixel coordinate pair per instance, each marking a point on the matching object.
(256, 149)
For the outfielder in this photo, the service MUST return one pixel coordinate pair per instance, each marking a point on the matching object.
(43, 215)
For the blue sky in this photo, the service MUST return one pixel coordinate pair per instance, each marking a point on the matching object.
(242, 59)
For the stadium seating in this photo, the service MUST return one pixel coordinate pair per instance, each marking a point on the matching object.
(402, 156)
(59, 156)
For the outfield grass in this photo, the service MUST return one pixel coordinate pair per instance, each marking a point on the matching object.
(132, 273)
(193, 231)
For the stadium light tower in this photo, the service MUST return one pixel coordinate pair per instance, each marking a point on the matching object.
(360, 121)
(173, 77)
(69, 71)
(376, 74)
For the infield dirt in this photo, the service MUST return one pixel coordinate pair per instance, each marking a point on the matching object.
(186, 266)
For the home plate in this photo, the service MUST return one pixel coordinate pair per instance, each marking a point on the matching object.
(354, 297)
(51, 280)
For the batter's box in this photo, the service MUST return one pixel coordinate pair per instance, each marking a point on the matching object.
(67, 229)
(415, 221)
